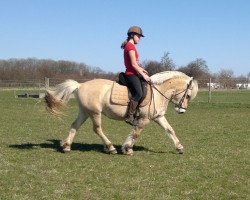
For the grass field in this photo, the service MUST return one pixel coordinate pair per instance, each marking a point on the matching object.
(215, 163)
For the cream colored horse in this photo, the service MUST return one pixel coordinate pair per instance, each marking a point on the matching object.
(94, 99)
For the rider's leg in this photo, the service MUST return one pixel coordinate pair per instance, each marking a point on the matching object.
(135, 87)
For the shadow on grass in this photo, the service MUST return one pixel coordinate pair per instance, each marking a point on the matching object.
(55, 144)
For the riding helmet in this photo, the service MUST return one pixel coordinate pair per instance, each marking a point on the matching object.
(136, 30)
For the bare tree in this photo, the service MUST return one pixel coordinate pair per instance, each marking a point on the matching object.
(153, 67)
(243, 81)
(167, 63)
(225, 78)
(196, 69)
(32, 68)
(248, 76)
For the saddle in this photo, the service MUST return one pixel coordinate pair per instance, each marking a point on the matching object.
(120, 94)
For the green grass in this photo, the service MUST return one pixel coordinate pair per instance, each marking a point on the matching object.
(215, 163)
(225, 96)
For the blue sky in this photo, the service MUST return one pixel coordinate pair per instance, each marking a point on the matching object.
(91, 31)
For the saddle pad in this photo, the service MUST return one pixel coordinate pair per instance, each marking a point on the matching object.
(119, 95)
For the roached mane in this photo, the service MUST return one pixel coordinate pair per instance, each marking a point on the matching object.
(163, 76)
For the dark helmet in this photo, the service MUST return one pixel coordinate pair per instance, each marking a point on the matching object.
(136, 30)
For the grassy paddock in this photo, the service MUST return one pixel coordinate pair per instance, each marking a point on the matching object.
(215, 164)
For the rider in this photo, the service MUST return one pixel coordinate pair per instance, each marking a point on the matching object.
(135, 74)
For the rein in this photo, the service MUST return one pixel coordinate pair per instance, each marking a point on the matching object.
(171, 99)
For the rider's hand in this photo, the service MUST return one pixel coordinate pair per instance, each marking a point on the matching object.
(146, 78)
(144, 71)
(144, 74)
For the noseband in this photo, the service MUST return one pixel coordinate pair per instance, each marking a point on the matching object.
(178, 105)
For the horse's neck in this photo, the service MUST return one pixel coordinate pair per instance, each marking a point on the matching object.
(170, 86)
(166, 87)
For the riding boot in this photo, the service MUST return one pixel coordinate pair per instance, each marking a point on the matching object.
(130, 119)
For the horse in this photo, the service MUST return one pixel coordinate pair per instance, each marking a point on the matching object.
(94, 100)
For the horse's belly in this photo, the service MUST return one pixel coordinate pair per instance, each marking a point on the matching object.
(114, 111)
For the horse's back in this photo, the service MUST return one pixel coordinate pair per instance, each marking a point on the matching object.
(92, 93)
(96, 83)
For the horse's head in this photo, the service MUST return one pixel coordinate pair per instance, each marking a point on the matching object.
(183, 88)
(184, 93)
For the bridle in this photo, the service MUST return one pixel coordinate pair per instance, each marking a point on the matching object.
(179, 104)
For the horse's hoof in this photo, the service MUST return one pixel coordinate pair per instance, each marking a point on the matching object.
(127, 151)
(129, 154)
(66, 150)
(179, 148)
(180, 151)
(110, 151)
(113, 152)
(65, 147)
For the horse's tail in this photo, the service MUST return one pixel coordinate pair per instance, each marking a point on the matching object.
(57, 97)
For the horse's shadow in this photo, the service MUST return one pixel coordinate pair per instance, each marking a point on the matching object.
(55, 144)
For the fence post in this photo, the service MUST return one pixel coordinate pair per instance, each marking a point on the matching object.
(46, 82)
(209, 93)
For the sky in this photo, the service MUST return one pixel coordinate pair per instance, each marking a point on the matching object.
(91, 31)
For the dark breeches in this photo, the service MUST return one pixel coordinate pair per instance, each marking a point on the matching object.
(137, 87)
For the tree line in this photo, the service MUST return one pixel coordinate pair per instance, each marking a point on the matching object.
(33, 68)
(199, 70)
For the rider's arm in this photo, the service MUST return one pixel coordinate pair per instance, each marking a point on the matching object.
(137, 67)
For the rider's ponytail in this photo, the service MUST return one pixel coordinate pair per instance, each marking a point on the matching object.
(130, 35)
(124, 43)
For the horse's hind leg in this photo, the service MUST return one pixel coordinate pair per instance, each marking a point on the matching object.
(127, 147)
(82, 116)
(108, 146)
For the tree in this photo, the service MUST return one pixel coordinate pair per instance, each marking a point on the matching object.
(154, 67)
(167, 63)
(242, 80)
(225, 78)
(248, 76)
(197, 69)
(32, 68)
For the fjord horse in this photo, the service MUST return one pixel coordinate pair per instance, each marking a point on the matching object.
(94, 99)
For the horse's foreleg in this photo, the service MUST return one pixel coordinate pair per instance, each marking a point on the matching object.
(127, 147)
(108, 146)
(170, 132)
(66, 144)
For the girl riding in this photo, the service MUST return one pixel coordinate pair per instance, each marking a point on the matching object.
(135, 75)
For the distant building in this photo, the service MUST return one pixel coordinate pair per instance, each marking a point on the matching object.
(215, 85)
(243, 85)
